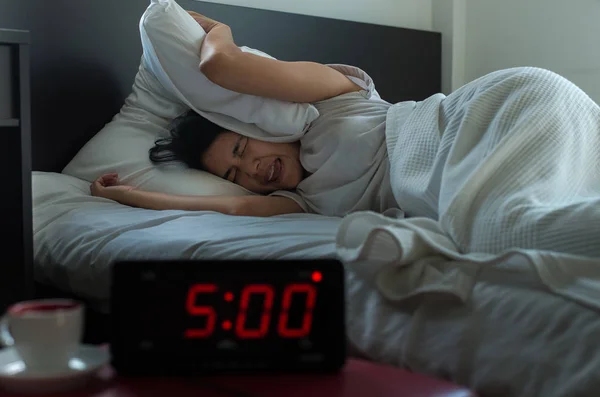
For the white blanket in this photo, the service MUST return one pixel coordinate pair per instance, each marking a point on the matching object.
(516, 171)
(504, 174)
(77, 237)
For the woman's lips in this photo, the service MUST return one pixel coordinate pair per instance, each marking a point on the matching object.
(274, 172)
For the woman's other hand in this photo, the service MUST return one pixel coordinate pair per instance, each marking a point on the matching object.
(206, 23)
(107, 186)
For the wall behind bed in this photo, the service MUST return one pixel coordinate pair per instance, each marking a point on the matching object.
(414, 14)
(482, 36)
(85, 54)
(558, 35)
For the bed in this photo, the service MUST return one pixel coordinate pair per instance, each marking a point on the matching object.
(511, 337)
(82, 70)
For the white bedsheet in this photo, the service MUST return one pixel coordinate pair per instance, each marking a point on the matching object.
(511, 336)
(77, 237)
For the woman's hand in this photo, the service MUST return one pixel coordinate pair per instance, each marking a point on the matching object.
(217, 43)
(206, 23)
(107, 186)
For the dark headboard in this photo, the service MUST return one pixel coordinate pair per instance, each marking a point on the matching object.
(85, 54)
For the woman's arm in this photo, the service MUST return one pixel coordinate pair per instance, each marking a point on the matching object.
(230, 205)
(107, 186)
(225, 64)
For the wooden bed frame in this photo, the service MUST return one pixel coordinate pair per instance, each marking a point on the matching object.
(85, 54)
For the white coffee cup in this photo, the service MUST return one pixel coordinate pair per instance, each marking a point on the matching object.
(45, 333)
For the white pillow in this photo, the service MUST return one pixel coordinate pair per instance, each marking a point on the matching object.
(122, 146)
(168, 83)
(172, 39)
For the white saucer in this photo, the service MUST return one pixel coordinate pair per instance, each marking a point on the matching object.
(15, 377)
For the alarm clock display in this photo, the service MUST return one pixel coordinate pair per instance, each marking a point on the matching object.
(190, 317)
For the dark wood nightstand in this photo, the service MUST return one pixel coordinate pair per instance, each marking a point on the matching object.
(357, 379)
(16, 236)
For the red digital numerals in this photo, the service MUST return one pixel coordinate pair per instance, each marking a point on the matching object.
(241, 329)
(265, 318)
(288, 293)
(193, 310)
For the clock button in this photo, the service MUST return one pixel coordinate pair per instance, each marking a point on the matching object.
(148, 276)
(305, 344)
(227, 344)
(146, 345)
(311, 358)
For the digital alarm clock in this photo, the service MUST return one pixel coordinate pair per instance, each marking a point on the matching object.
(193, 317)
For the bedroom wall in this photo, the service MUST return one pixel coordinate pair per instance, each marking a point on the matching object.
(554, 34)
(415, 14)
(448, 18)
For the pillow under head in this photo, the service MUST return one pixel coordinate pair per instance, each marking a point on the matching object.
(168, 84)
(123, 146)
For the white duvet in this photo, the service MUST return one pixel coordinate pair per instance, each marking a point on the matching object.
(507, 168)
(510, 335)
(501, 180)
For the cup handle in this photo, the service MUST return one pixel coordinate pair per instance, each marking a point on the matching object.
(6, 338)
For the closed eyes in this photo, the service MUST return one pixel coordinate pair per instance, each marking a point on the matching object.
(236, 153)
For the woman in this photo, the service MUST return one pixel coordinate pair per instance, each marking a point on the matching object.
(290, 178)
(509, 160)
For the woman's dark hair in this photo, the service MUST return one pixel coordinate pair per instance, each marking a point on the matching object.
(191, 135)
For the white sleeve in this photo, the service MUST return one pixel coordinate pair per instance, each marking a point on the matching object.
(360, 78)
(294, 196)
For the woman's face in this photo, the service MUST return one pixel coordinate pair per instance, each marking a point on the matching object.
(261, 167)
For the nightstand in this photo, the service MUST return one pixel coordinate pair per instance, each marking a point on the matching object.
(16, 236)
